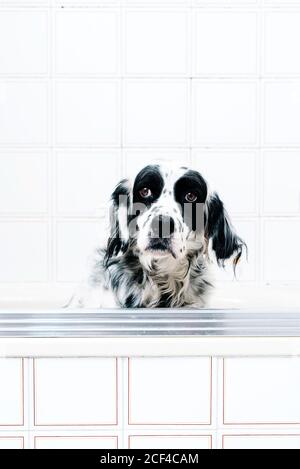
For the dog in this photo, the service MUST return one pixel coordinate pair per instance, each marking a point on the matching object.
(165, 229)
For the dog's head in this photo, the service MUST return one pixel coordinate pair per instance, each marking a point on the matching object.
(170, 212)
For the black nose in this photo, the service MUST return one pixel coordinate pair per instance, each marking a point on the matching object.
(162, 226)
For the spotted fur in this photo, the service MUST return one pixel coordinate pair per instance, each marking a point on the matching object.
(142, 266)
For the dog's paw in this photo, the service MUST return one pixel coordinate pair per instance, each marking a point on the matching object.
(92, 297)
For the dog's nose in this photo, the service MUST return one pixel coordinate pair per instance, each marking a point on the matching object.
(162, 226)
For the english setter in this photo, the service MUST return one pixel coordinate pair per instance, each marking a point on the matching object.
(165, 227)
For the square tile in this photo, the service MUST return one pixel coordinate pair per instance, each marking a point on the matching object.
(83, 187)
(279, 265)
(86, 41)
(23, 42)
(162, 53)
(261, 391)
(155, 112)
(75, 391)
(281, 188)
(170, 441)
(226, 42)
(76, 241)
(262, 441)
(230, 173)
(23, 113)
(87, 113)
(282, 113)
(23, 251)
(282, 36)
(75, 442)
(11, 442)
(225, 113)
(169, 391)
(11, 396)
(23, 182)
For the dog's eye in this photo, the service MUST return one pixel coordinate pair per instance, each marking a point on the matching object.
(145, 192)
(190, 197)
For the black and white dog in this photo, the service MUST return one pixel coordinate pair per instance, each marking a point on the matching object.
(164, 230)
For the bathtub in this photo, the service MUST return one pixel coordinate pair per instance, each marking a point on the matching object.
(224, 377)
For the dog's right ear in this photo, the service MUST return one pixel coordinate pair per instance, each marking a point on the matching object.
(119, 233)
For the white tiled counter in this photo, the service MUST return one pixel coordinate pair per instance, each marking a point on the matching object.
(217, 378)
(166, 402)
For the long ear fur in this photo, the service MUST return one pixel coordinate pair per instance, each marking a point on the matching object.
(119, 233)
(220, 232)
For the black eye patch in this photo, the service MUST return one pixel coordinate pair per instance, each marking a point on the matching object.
(150, 178)
(191, 182)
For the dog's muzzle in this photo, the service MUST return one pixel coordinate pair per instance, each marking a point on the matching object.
(162, 227)
(161, 230)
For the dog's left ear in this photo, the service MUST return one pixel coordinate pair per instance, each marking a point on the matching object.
(219, 230)
(119, 232)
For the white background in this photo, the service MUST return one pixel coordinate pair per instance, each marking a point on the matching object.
(92, 90)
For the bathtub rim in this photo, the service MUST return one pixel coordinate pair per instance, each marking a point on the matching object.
(13, 347)
(283, 340)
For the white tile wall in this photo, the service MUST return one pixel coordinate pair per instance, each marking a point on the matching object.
(262, 441)
(261, 391)
(83, 188)
(157, 441)
(225, 43)
(86, 42)
(282, 113)
(282, 35)
(11, 442)
(75, 442)
(280, 166)
(171, 403)
(73, 258)
(235, 179)
(23, 244)
(169, 390)
(86, 113)
(219, 113)
(23, 112)
(23, 42)
(163, 53)
(94, 90)
(75, 392)
(11, 392)
(275, 232)
(23, 183)
(155, 112)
